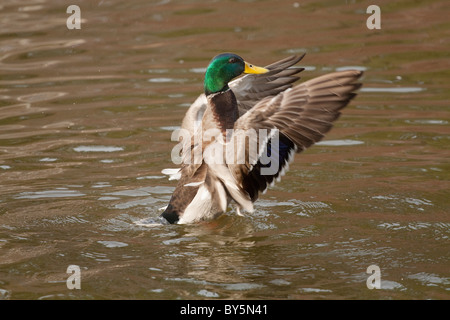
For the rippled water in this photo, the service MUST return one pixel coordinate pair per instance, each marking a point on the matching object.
(85, 123)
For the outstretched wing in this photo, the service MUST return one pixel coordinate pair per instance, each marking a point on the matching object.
(294, 119)
(250, 89)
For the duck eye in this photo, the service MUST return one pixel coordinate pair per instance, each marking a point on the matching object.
(232, 60)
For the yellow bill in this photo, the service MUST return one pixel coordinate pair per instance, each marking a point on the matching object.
(249, 68)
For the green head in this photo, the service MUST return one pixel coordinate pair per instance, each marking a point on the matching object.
(225, 67)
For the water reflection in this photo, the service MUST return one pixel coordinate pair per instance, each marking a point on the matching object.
(24, 49)
(336, 143)
(97, 149)
(59, 193)
(393, 90)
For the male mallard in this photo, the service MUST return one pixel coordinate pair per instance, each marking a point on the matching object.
(283, 121)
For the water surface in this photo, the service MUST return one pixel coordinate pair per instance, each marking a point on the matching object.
(85, 123)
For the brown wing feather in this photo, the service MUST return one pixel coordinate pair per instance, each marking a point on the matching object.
(302, 115)
(251, 89)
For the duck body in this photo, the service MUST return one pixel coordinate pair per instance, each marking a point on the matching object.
(198, 195)
(237, 126)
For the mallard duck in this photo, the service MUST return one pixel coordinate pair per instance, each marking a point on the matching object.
(284, 120)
